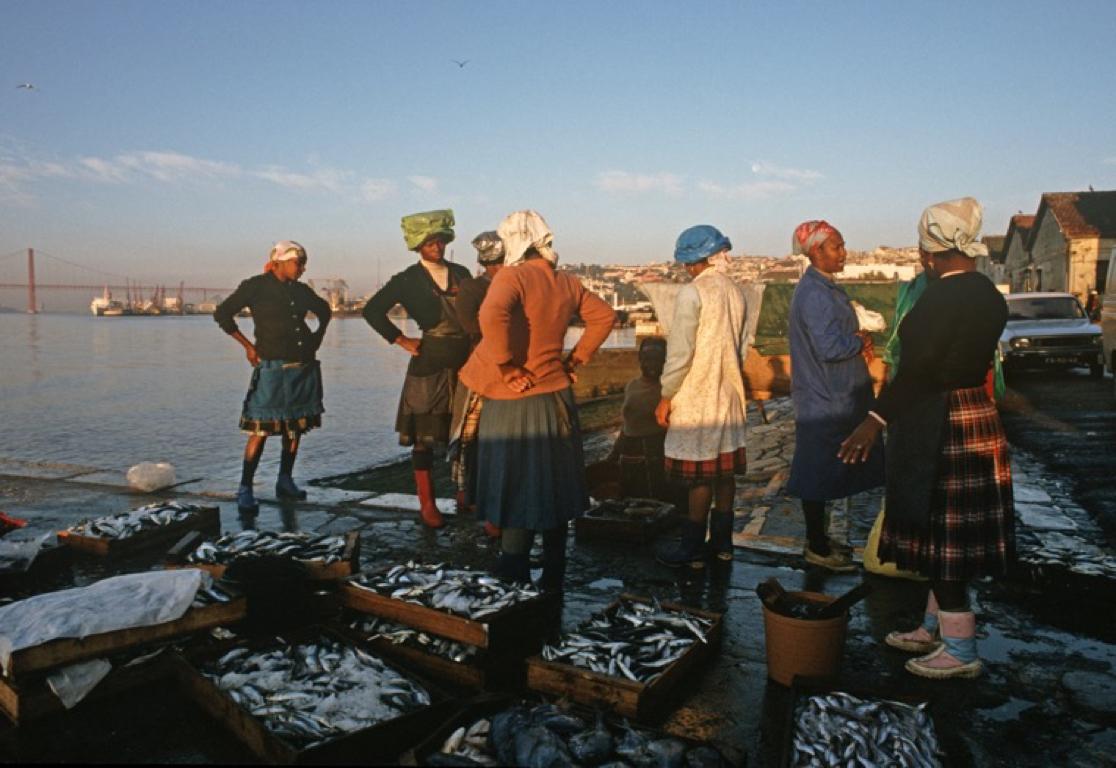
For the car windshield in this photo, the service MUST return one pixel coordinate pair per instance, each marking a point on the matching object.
(1045, 308)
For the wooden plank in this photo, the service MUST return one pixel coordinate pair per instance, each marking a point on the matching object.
(205, 519)
(64, 651)
(21, 703)
(639, 701)
(521, 625)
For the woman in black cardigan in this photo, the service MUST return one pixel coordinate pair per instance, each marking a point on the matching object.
(428, 292)
(285, 395)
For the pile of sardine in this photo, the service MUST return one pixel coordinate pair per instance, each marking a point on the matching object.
(300, 546)
(637, 641)
(125, 524)
(373, 627)
(546, 735)
(217, 592)
(840, 729)
(472, 594)
(311, 692)
(628, 508)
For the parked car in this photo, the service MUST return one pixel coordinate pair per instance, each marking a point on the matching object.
(1050, 330)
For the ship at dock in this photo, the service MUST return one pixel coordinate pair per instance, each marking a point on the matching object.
(159, 304)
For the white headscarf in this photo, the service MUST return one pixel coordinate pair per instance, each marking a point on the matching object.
(952, 226)
(522, 231)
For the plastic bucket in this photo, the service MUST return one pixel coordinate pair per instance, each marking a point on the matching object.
(803, 647)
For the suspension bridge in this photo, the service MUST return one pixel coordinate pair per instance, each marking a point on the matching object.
(49, 272)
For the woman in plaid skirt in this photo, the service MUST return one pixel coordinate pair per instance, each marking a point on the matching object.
(702, 405)
(950, 513)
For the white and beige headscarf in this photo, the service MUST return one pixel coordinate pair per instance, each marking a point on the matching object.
(522, 231)
(952, 226)
(284, 250)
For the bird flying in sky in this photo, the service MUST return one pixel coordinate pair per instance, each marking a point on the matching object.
(460, 64)
(25, 86)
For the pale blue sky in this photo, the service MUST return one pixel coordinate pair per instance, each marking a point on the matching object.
(171, 140)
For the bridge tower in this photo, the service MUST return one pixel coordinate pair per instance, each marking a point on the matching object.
(32, 305)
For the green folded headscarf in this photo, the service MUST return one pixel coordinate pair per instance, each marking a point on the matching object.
(419, 227)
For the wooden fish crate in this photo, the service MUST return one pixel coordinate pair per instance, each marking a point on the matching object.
(597, 524)
(32, 698)
(805, 687)
(206, 520)
(379, 744)
(317, 570)
(519, 628)
(69, 650)
(640, 701)
(487, 705)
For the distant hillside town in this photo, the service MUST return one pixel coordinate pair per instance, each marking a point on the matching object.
(619, 283)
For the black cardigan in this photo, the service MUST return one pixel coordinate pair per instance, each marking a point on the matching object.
(416, 291)
(948, 339)
(279, 314)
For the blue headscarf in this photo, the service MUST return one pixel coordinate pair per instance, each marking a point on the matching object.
(700, 242)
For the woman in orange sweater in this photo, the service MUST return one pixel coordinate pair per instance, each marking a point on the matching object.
(530, 470)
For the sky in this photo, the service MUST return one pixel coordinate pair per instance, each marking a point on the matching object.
(168, 140)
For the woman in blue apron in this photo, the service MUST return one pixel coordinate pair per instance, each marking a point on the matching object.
(285, 394)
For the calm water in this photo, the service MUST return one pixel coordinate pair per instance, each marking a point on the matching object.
(111, 392)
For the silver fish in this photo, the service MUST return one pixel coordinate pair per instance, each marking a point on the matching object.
(374, 627)
(125, 524)
(297, 545)
(472, 594)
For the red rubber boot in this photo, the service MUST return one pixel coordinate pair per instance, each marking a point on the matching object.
(428, 510)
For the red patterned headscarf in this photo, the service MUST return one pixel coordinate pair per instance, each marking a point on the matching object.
(810, 234)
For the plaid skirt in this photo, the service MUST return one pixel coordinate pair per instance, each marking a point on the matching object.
(691, 473)
(971, 530)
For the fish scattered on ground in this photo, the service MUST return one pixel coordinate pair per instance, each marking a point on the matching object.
(471, 594)
(310, 692)
(217, 592)
(373, 627)
(637, 641)
(143, 519)
(547, 736)
(841, 729)
(300, 546)
(627, 509)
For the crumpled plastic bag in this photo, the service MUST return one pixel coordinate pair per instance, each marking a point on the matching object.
(870, 321)
(17, 556)
(73, 683)
(151, 476)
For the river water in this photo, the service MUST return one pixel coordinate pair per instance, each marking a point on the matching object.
(112, 392)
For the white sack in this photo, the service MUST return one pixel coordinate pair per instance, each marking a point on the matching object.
(151, 476)
(870, 321)
(122, 602)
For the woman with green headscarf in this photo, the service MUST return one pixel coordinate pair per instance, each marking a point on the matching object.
(428, 292)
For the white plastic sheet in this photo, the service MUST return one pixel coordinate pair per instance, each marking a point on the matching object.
(122, 602)
(17, 556)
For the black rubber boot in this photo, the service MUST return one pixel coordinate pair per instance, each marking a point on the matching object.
(554, 561)
(689, 551)
(516, 568)
(720, 535)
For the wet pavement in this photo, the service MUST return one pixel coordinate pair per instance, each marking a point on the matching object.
(1048, 695)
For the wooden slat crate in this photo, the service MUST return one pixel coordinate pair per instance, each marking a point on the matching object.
(316, 569)
(69, 650)
(204, 519)
(625, 530)
(379, 744)
(518, 628)
(640, 701)
(32, 699)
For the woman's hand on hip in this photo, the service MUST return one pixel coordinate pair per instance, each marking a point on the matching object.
(858, 446)
(410, 344)
(252, 355)
(662, 413)
(517, 378)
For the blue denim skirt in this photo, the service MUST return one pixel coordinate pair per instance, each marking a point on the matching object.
(530, 469)
(283, 398)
